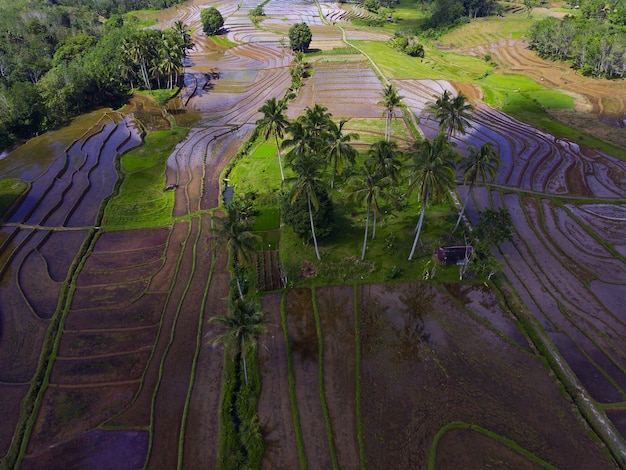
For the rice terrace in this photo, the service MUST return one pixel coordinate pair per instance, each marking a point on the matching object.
(332, 235)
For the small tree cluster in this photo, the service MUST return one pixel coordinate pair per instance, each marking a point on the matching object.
(212, 21)
(300, 37)
(406, 45)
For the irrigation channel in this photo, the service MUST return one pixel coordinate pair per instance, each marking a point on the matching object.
(356, 376)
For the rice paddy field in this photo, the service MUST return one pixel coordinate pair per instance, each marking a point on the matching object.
(108, 280)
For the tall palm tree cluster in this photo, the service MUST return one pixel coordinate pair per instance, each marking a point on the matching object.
(154, 58)
(318, 151)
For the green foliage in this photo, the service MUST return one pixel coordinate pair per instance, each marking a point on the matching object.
(256, 11)
(212, 20)
(295, 213)
(495, 226)
(10, 191)
(371, 22)
(594, 46)
(300, 37)
(141, 201)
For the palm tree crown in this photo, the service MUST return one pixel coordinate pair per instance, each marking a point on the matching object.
(338, 150)
(274, 122)
(385, 157)
(432, 175)
(243, 325)
(480, 165)
(369, 186)
(391, 100)
(453, 113)
(308, 180)
(234, 231)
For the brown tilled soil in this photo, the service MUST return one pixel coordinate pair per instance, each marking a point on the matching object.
(600, 104)
(427, 363)
(336, 311)
(274, 403)
(303, 336)
(202, 429)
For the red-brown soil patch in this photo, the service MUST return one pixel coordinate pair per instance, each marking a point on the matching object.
(142, 312)
(466, 448)
(348, 89)
(426, 363)
(202, 429)
(103, 260)
(304, 346)
(108, 296)
(589, 335)
(68, 412)
(483, 302)
(274, 403)
(618, 417)
(119, 275)
(38, 289)
(98, 343)
(96, 450)
(100, 369)
(184, 305)
(336, 311)
(130, 240)
(12, 396)
(602, 108)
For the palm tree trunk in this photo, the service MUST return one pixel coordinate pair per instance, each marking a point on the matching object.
(317, 251)
(245, 369)
(280, 161)
(367, 221)
(374, 227)
(458, 221)
(236, 266)
(419, 227)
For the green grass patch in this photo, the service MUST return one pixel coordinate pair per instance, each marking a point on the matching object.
(10, 191)
(223, 41)
(141, 18)
(435, 64)
(141, 201)
(482, 31)
(258, 171)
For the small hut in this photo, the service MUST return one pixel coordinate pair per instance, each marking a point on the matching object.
(454, 254)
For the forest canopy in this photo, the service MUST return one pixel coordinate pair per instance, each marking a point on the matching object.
(58, 60)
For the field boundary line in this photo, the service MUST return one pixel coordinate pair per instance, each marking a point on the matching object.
(359, 416)
(292, 386)
(322, 390)
(194, 364)
(432, 452)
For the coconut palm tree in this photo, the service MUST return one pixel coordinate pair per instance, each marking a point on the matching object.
(481, 165)
(391, 100)
(243, 325)
(299, 142)
(234, 231)
(385, 157)
(369, 186)
(274, 123)
(338, 150)
(432, 174)
(316, 121)
(308, 180)
(453, 113)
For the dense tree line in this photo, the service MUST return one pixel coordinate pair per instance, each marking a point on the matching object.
(107, 8)
(595, 47)
(59, 61)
